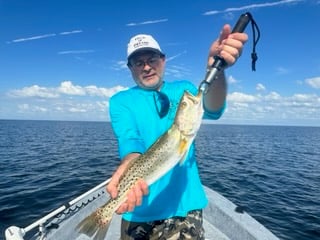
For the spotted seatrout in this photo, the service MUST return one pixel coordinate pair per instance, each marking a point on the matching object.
(171, 148)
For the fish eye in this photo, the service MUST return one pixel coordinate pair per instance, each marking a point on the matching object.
(184, 104)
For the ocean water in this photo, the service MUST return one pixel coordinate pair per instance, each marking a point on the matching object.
(273, 172)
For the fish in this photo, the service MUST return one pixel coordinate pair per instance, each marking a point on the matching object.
(166, 152)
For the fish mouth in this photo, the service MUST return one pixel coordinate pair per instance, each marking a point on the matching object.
(194, 98)
(199, 94)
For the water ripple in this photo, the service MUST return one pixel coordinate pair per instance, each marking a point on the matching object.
(273, 172)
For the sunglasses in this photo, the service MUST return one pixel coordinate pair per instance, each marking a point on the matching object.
(152, 62)
(162, 103)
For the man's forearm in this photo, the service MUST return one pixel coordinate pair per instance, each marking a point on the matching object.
(215, 98)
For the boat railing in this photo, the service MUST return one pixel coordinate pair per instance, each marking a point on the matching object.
(17, 233)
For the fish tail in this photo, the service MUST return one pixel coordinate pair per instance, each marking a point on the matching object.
(101, 234)
(94, 226)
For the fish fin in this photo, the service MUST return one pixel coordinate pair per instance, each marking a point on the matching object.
(93, 226)
(183, 147)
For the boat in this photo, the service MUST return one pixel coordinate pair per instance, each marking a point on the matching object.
(223, 220)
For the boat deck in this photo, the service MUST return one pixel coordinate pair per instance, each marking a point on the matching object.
(221, 222)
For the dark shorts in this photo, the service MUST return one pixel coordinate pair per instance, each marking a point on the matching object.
(176, 228)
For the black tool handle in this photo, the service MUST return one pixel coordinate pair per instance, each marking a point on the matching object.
(219, 63)
(242, 23)
(240, 26)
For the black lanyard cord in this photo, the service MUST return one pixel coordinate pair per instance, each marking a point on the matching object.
(255, 30)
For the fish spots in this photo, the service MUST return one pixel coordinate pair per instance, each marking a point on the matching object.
(163, 155)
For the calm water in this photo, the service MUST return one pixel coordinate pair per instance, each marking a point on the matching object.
(273, 172)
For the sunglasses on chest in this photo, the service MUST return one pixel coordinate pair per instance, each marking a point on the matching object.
(162, 103)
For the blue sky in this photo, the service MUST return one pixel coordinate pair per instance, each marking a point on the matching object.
(63, 59)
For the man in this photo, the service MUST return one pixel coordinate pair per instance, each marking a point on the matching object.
(170, 208)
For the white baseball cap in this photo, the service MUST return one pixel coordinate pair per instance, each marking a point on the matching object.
(142, 42)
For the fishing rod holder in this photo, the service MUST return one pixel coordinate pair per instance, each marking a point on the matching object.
(14, 233)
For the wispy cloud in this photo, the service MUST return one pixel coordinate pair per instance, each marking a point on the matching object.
(120, 65)
(313, 82)
(76, 52)
(33, 38)
(48, 35)
(252, 6)
(146, 22)
(260, 87)
(178, 71)
(168, 59)
(232, 80)
(70, 32)
(282, 70)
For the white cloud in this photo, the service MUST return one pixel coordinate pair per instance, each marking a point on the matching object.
(69, 89)
(252, 6)
(232, 80)
(273, 108)
(146, 22)
(33, 38)
(168, 59)
(28, 108)
(302, 97)
(282, 70)
(120, 65)
(77, 110)
(65, 88)
(76, 102)
(177, 71)
(34, 91)
(260, 87)
(71, 32)
(48, 35)
(76, 52)
(102, 92)
(239, 97)
(67, 101)
(273, 96)
(228, 16)
(40, 109)
(23, 106)
(313, 82)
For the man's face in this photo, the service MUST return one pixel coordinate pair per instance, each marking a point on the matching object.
(147, 69)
